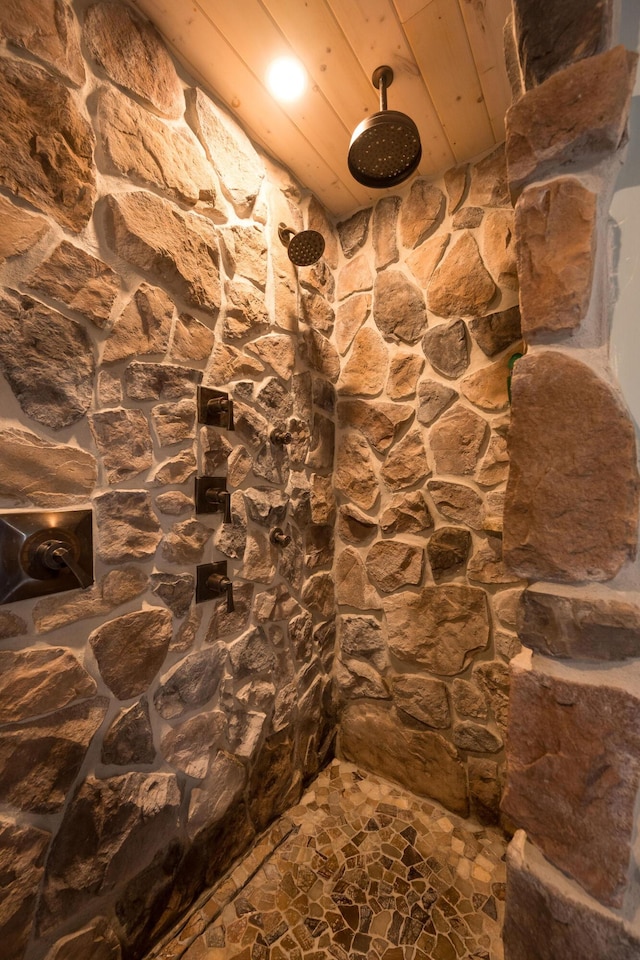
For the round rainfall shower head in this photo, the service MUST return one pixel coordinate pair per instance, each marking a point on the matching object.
(385, 148)
(304, 248)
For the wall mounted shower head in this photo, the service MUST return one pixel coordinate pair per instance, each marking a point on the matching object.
(304, 248)
(385, 148)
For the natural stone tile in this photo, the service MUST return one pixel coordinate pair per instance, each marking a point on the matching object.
(485, 789)
(448, 549)
(185, 542)
(318, 219)
(320, 455)
(579, 113)
(392, 564)
(384, 231)
(23, 850)
(467, 218)
(36, 470)
(192, 340)
(40, 680)
(445, 347)
(48, 31)
(109, 389)
(365, 638)
(322, 502)
(506, 604)
(150, 152)
(318, 594)
(245, 252)
(82, 282)
(499, 247)
(126, 822)
(423, 261)
(365, 370)
(11, 625)
(224, 624)
(129, 739)
(497, 331)
(53, 386)
(221, 788)
(174, 422)
(456, 439)
(115, 588)
(468, 735)
(59, 177)
(420, 213)
(492, 676)
(458, 502)
(578, 522)
(579, 30)
(142, 328)
(321, 355)
(404, 370)
(353, 525)
(40, 758)
(186, 633)
(357, 679)
(352, 585)
(246, 312)
(398, 307)
(555, 224)
(354, 474)
(350, 316)
(180, 249)
(440, 627)
(379, 422)
(189, 746)
(277, 350)
(133, 55)
(128, 668)
(259, 558)
(423, 698)
(406, 513)
(406, 464)
(461, 285)
(178, 469)
(174, 589)
(469, 700)
(174, 503)
(418, 759)
(193, 682)
(160, 381)
(455, 180)
(128, 528)
(229, 151)
(124, 442)
(572, 744)
(486, 564)
(353, 232)
(19, 229)
(487, 387)
(433, 398)
(488, 186)
(97, 939)
(355, 277)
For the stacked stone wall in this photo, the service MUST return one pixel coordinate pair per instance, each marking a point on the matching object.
(146, 740)
(427, 320)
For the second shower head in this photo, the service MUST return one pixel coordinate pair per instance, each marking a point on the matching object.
(304, 248)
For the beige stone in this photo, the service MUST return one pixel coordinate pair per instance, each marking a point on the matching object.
(356, 679)
(160, 381)
(115, 588)
(129, 739)
(423, 261)
(469, 735)
(499, 248)
(174, 422)
(220, 790)
(318, 594)
(350, 316)
(354, 526)
(322, 499)
(456, 439)
(321, 355)
(487, 387)
(398, 307)
(352, 585)
(406, 463)
(133, 55)
(191, 683)
(124, 442)
(392, 564)
(573, 746)
(128, 528)
(461, 285)
(185, 542)
(318, 219)
(423, 698)
(180, 249)
(433, 398)
(420, 213)
(57, 178)
(355, 277)
(486, 565)
(11, 625)
(40, 680)
(379, 422)
(246, 311)
(365, 370)
(23, 850)
(19, 230)
(353, 232)
(469, 700)
(492, 676)
(192, 340)
(178, 469)
(497, 331)
(278, 351)
(131, 649)
(485, 789)
(448, 549)
(406, 513)
(404, 370)
(384, 231)
(46, 474)
(142, 328)
(175, 590)
(577, 521)
(173, 503)
(458, 502)
(245, 252)
(494, 465)
(439, 628)
(488, 186)
(46, 30)
(578, 114)
(455, 180)
(109, 389)
(97, 939)
(354, 472)
(468, 218)
(555, 226)
(404, 752)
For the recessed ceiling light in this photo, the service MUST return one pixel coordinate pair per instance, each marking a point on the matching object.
(286, 78)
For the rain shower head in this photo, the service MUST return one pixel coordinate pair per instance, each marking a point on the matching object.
(304, 248)
(385, 148)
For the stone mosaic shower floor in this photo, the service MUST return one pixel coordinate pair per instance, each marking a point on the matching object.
(359, 870)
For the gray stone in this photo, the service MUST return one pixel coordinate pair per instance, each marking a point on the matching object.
(392, 564)
(129, 739)
(133, 55)
(456, 440)
(423, 698)
(224, 624)
(353, 232)
(457, 502)
(128, 528)
(111, 831)
(398, 307)
(192, 683)
(180, 249)
(252, 654)
(160, 381)
(406, 464)
(421, 212)
(174, 589)
(46, 30)
(53, 385)
(185, 542)
(82, 282)
(461, 284)
(187, 631)
(57, 177)
(40, 758)
(36, 470)
(115, 588)
(404, 752)
(497, 331)
(124, 442)
(131, 649)
(434, 397)
(142, 328)
(448, 549)
(440, 627)
(22, 854)
(446, 349)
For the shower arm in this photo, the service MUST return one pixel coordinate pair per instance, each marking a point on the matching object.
(382, 78)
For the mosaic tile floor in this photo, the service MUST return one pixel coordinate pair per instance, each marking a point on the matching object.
(359, 870)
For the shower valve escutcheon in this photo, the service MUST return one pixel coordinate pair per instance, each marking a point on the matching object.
(213, 582)
(212, 496)
(280, 437)
(215, 408)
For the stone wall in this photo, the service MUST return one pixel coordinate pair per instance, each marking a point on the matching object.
(427, 319)
(571, 509)
(144, 740)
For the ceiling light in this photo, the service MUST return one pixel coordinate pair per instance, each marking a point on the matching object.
(286, 78)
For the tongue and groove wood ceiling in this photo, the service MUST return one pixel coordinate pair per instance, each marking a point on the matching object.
(447, 58)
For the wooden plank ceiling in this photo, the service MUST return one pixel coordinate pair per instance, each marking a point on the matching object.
(447, 58)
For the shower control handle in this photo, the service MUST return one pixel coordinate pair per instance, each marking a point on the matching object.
(279, 538)
(280, 437)
(218, 584)
(221, 500)
(56, 555)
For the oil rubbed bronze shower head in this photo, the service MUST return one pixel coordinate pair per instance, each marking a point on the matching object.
(385, 148)
(304, 248)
